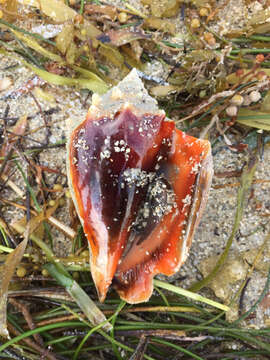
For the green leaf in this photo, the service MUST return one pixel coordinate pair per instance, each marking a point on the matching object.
(256, 119)
(33, 44)
(89, 308)
(189, 294)
(97, 86)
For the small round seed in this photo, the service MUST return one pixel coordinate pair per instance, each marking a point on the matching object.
(247, 100)
(58, 187)
(52, 203)
(255, 96)
(45, 272)
(62, 202)
(195, 23)
(237, 100)
(203, 12)
(21, 271)
(231, 110)
(122, 17)
(209, 37)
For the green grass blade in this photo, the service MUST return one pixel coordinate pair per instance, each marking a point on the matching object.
(89, 308)
(189, 294)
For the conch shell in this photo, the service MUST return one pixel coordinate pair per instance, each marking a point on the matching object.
(139, 186)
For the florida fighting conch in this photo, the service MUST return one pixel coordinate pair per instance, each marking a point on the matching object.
(139, 186)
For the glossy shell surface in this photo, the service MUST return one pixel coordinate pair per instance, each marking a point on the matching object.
(139, 186)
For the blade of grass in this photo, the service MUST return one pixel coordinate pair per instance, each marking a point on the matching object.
(89, 308)
(28, 53)
(189, 294)
(79, 348)
(40, 330)
(178, 347)
(92, 83)
(37, 47)
(142, 325)
(253, 307)
(165, 301)
(77, 241)
(4, 236)
(251, 340)
(99, 87)
(61, 339)
(113, 320)
(107, 336)
(37, 36)
(82, 7)
(124, 347)
(135, 11)
(112, 340)
(255, 119)
(250, 51)
(90, 348)
(32, 194)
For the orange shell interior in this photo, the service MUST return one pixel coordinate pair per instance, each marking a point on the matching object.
(134, 180)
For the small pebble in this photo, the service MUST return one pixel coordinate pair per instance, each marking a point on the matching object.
(45, 272)
(122, 17)
(209, 37)
(195, 23)
(255, 96)
(83, 32)
(52, 203)
(21, 271)
(62, 202)
(58, 187)
(202, 93)
(259, 58)
(6, 82)
(203, 12)
(246, 101)
(53, 139)
(231, 110)
(237, 100)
